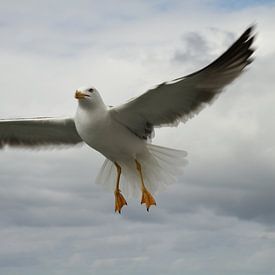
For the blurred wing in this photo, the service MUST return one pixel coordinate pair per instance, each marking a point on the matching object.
(36, 132)
(178, 100)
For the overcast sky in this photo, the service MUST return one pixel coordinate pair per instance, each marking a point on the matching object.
(219, 219)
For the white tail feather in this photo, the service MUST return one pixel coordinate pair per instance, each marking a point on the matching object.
(161, 166)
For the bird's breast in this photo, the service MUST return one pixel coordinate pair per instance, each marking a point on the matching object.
(107, 136)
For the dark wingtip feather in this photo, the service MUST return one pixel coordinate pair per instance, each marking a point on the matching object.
(241, 49)
(238, 53)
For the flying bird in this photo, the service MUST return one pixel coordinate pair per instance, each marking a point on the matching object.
(123, 133)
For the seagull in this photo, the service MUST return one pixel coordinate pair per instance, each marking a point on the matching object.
(123, 133)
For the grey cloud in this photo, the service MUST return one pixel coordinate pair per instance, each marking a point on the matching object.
(200, 48)
(219, 217)
(239, 183)
(41, 192)
(253, 205)
(195, 48)
(16, 260)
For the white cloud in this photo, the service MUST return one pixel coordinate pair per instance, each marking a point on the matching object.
(219, 218)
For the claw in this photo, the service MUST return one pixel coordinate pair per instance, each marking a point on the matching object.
(148, 199)
(119, 201)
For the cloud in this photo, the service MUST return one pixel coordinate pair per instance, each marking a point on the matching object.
(195, 48)
(219, 217)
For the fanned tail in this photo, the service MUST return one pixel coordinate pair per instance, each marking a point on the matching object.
(161, 166)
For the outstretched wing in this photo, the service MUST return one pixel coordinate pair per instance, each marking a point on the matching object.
(178, 100)
(36, 132)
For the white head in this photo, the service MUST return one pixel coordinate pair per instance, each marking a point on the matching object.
(89, 97)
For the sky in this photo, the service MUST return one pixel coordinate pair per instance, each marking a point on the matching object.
(218, 219)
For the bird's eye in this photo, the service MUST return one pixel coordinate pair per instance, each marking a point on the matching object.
(91, 90)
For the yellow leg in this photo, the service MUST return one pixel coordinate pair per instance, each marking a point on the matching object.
(119, 199)
(146, 197)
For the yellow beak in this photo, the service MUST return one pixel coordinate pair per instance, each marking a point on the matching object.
(79, 94)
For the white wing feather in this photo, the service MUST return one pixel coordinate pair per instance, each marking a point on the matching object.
(38, 132)
(178, 100)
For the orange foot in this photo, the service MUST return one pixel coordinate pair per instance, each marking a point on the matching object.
(147, 198)
(119, 201)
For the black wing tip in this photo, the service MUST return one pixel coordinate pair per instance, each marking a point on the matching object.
(239, 52)
(251, 29)
(248, 46)
(249, 32)
(247, 38)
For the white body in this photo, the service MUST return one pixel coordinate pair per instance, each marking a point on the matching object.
(97, 127)
(100, 131)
